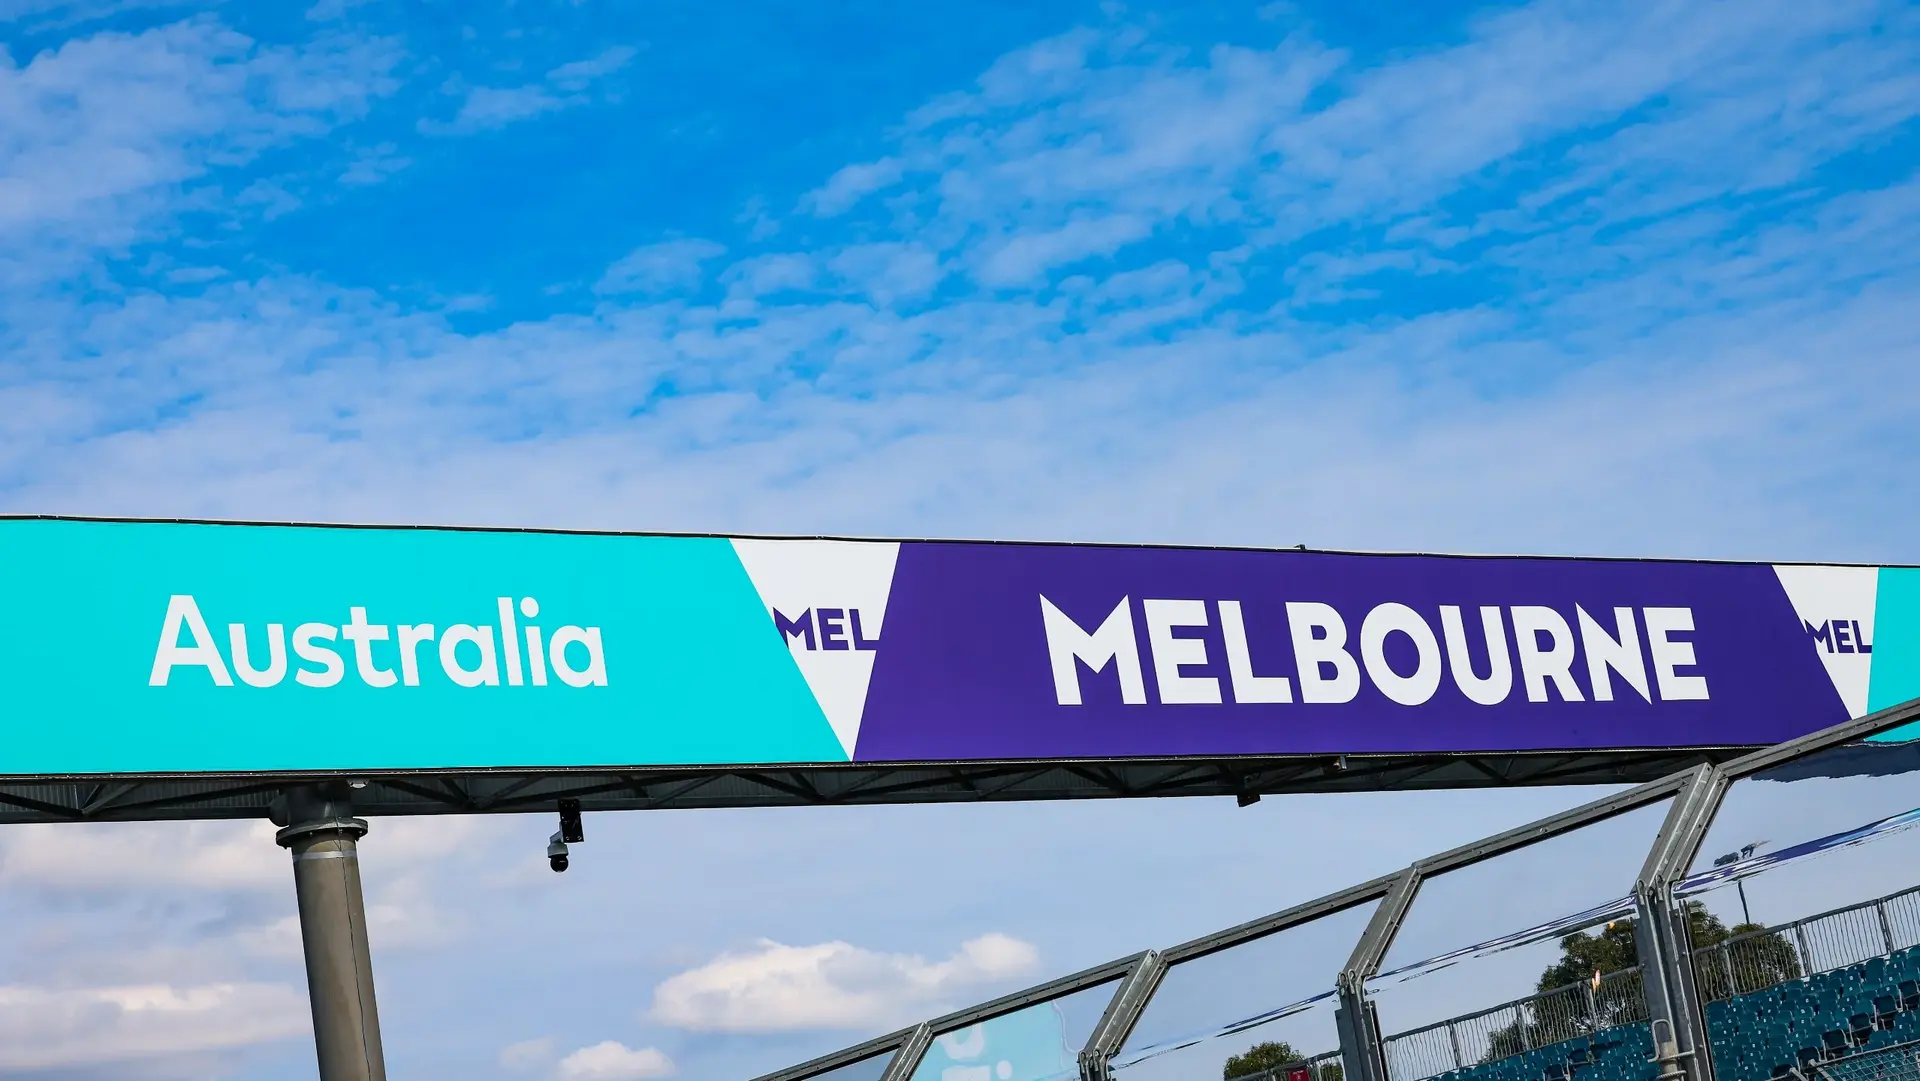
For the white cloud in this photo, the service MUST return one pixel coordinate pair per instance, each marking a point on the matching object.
(527, 1054)
(327, 10)
(374, 165)
(582, 73)
(889, 271)
(658, 268)
(488, 108)
(484, 108)
(1026, 257)
(106, 132)
(775, 987)
(118, 855)
(766, 274)
(47, 1028)
(201, 855)
(613, 1061)
(851, 184)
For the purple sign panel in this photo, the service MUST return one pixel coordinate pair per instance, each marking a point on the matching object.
(1027, 651)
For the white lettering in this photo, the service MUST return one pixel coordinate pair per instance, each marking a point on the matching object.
(362, 634)
(1494, 689)
(187, 640)
(411, 635)
(1669, 655)
(1248, 689)
(184, 614)
(1170, 653)
(510, 642)
(1311, 651)
(305, 637)
(1388, 619)
(1607, 654)
(595, 673)
(1112, 643)
(487, 673)
(276, 669)
(536, 655)
(1554, 662)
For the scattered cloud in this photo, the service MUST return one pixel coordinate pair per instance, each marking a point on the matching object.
(581, 74)
(765, 274)
(613, 1061)
(488, 108)
(658, 268)
(774, 987)
(374, 165)
(327, 10)
(115, 855)
(527, 1055)
(851, 184)
(47, 1028)
(109, 132)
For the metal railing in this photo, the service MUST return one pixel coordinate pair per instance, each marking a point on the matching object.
(1901, 1062)
(1749, 961)
(1511, 1028)
(1327, 1067)
(1819, 943)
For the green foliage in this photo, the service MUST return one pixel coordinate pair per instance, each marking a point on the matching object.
(1753, 963)
(1757, 962)
(1270, 1055)
(1259, 1058)
(1582, 954)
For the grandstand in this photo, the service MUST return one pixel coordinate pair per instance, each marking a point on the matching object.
(1755, 920)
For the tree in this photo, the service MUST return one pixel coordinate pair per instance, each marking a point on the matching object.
(1755, 962)
(1259, 1058)
(1268, 1056)
(1583, 958)
(1758, 961)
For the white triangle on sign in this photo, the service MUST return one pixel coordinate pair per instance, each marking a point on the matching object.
(1836, 606)
(838, 591)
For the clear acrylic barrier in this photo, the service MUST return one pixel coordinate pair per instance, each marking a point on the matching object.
(1495, 961)
(1033, 1043)
(1277, 989)
(1802, 903)
(1805, 914)
(866, 1069)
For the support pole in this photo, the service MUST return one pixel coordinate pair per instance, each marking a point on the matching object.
(322, 835)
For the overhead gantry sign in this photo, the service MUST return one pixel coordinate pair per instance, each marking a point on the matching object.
(165, 648)
(316, 673)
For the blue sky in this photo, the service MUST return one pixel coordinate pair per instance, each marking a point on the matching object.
(1556, 276)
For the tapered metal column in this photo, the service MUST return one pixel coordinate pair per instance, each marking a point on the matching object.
(322, 835)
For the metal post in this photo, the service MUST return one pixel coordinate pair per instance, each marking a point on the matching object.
(1123, 1011)
(1663, 940)
(1362, 1045)
(1886, 925)
(322, 834)
(907, 1060)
